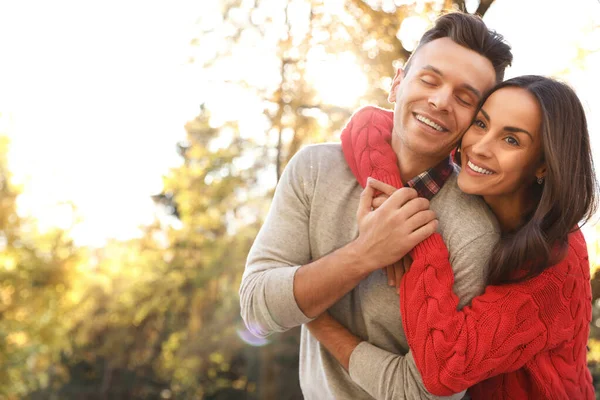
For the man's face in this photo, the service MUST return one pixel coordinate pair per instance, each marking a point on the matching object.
(437, 98)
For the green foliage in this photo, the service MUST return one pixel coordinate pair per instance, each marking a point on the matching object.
(36, 274)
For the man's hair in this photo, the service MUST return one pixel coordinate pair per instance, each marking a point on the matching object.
(471, 32)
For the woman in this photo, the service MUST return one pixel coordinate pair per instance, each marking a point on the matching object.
(528, 155)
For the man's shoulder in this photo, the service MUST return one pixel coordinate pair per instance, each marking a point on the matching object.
(331, 151)
(321, 156)
(457, 210)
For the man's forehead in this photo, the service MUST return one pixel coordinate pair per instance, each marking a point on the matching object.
(450, 60)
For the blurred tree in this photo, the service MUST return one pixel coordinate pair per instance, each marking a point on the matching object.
(36, 271)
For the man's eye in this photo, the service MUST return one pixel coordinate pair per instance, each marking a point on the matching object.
(464, 102)
(428, 83)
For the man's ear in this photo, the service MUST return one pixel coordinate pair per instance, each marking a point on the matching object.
(395, 83)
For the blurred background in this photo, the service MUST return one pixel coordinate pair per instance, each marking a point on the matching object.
(140, 142)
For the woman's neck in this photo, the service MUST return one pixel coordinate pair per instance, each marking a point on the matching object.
(510, 210)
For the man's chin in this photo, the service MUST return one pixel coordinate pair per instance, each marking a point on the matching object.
(429, 150)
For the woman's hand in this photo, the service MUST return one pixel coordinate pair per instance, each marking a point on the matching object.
(394, 273)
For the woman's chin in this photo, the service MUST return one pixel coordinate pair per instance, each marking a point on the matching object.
(465, 184)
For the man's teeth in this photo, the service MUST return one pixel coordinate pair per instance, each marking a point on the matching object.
(478, 169)
(429, 122)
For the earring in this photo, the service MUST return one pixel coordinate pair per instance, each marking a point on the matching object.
(455, 155)
(540, 180)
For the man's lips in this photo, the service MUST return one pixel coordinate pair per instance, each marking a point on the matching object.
(430, 121)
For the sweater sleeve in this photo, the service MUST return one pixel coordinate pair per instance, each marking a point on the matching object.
(281, 247)
(388, 376)
(499, 332)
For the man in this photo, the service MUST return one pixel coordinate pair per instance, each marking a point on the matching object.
(310, 256)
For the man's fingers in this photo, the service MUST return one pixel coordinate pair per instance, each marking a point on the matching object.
(379, 200)
(410, 207)
(364, 205)
(391, 275)
(419, 219)
(381, 186)
(401, 197)
(424, 232)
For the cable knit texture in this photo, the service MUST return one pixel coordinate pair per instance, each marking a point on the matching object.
(518, 341)
(366, 144)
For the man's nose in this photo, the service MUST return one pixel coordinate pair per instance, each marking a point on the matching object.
(440, 99)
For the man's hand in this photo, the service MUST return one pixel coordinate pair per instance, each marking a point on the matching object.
(394, 272)
(399, 223)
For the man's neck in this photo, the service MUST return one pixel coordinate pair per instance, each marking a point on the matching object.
(410, 163)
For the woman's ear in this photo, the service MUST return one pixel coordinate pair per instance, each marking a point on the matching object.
(540, 172)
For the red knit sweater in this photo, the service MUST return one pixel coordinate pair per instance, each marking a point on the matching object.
(518, 341)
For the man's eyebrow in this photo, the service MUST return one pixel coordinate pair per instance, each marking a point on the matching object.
(433, 69)
(472, 90)
(507, 128)
(465, 85)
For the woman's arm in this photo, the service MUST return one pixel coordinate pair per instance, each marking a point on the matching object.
(502, 329)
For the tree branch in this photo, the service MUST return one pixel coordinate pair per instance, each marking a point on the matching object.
(484, 5)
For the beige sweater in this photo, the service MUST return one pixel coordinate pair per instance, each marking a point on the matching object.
(312, 214)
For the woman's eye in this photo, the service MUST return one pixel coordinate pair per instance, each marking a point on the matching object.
(479, 123)
(511, 140)
(427, 82)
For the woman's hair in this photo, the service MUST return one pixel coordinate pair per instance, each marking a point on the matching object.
(567, 195)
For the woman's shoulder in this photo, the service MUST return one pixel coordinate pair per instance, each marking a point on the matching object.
(577, 243)
(577, 255)
(574, 265)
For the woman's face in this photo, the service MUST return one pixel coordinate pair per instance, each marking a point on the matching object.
(501, 152)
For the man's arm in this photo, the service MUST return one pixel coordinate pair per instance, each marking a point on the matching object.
(281, 288)
(382, 374)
